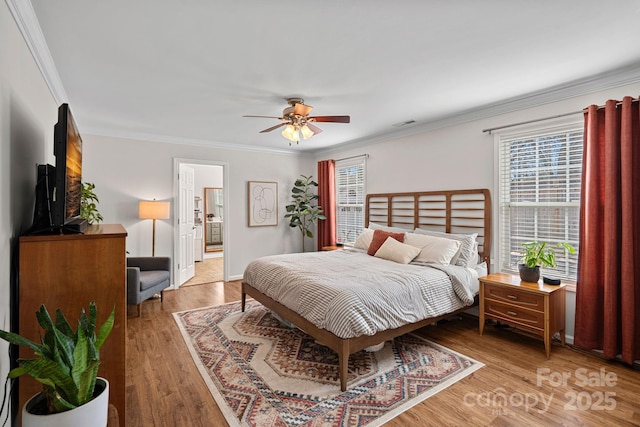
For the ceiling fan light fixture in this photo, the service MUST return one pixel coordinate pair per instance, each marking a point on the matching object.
(306, 132)
(296, 121)
(291, 133)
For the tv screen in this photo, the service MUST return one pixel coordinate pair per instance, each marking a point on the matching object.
(68, 153)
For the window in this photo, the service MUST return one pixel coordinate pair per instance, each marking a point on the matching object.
(539, 194)
(350, 198)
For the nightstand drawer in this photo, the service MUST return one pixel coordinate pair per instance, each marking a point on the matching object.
(515, 296)
(515, 314)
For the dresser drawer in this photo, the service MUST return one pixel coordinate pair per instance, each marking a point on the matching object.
(514, 314)
(514, 296)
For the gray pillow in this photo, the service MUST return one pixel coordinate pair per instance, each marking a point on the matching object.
(467, 255)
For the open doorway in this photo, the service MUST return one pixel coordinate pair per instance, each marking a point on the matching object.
(201, 229)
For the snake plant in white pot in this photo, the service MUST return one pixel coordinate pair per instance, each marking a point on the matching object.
(66, 364)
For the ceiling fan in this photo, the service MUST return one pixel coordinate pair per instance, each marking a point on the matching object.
(297, 121)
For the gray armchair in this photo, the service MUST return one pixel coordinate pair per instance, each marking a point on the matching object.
(147, 276)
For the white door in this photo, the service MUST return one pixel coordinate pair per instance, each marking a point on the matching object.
(187, 227)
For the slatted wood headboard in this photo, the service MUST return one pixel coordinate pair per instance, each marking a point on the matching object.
(452, 211)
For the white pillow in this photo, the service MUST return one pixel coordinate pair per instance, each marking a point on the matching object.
(395, 251)
(467, 255)
(374, 226)
(364, 239)
(433, 249)
(482, 269)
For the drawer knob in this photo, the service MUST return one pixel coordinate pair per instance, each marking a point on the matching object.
(512, 296)
(512, 313)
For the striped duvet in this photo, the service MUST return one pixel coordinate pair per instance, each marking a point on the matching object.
(350, 293)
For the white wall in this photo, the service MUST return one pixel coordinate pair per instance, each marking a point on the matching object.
(207, 176)
(27, 115)
(460, 156)
(126, 171)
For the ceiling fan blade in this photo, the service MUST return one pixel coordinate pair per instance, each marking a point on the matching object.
(315, 129)
(335, 119)
(266, 117)
(272, 128)
(302, 110)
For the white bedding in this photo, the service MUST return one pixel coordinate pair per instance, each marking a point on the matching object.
(350, 293)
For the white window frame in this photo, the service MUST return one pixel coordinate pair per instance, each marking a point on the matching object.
(349, 238)
(505, 256)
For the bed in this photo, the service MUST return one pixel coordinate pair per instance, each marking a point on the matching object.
(383, 299)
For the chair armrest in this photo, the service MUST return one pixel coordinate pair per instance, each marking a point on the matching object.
(133, 284)
(150, 263)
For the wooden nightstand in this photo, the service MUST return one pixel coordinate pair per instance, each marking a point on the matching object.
(535, 307)
(331, 248)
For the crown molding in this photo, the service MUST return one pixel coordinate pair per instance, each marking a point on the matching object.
(25, 17)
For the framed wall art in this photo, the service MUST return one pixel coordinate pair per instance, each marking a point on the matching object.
(263, 203)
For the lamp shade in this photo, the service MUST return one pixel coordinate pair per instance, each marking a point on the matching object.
(291, 133)
(153, 210)
(306, 132)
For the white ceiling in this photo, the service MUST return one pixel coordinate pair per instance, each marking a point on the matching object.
(189, 70)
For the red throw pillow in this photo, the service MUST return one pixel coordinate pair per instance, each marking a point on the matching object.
(379, 237)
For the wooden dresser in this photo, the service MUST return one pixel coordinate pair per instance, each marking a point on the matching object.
(67, 272)
(535, 307)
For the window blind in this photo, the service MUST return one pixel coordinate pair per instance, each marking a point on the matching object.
(350, 199)
(539, 189)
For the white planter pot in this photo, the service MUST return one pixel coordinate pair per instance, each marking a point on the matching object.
(92, 414)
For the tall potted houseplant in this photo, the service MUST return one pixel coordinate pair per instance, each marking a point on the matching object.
(536, 255)
(66, 364)
(303, 212)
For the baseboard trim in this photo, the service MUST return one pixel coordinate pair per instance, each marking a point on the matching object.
(568, 339)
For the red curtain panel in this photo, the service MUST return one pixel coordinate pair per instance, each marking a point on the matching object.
(327, 201)
(608, 286)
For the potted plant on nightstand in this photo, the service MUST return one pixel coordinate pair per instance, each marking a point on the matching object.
(67, 366)
(536, 255)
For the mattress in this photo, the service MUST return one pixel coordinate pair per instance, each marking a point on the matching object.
(351, 294)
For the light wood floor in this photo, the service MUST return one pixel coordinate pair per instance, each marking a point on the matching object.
(206, 271)
(164, 387)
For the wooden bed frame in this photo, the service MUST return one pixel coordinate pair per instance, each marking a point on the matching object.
(454, 211)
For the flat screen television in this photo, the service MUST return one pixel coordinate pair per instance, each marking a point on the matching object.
(59, 187)
(67, 147)
(68, 151)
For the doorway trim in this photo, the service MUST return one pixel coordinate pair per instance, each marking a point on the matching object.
(176, 207)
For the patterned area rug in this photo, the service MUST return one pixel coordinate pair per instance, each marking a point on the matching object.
(263, 373)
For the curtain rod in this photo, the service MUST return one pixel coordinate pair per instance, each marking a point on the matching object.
(551, 117)
(353, 157)
(532, 121)
(618, 103)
